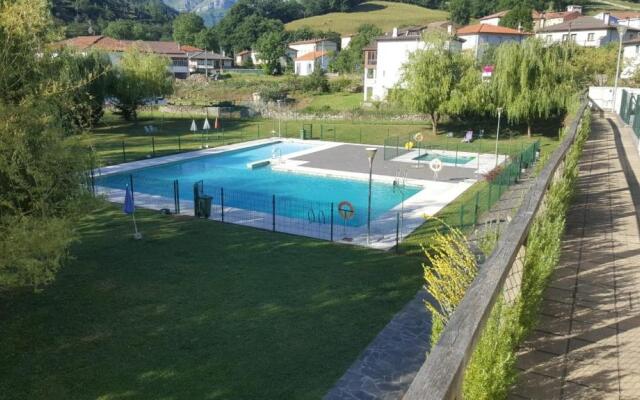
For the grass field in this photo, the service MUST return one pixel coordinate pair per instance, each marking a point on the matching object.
(335, 102)
(383, 14)
(197, 310)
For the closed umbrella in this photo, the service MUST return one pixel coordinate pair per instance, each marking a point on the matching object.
(205, 127)
(130, 208)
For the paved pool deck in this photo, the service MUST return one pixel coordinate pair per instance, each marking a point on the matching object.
(353, 158)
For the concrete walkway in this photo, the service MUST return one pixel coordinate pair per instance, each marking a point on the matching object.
(587, 344)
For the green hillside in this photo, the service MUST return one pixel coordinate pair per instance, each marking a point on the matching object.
(383, 14)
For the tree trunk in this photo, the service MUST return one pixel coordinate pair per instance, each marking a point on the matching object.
(434, 123)
(529, 129)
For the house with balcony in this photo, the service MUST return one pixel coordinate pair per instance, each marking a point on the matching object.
(385, 57)
(586, 31)
(207, 62)
(114, 48)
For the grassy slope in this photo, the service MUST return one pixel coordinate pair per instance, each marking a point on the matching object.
(196, 310)
(380, 13)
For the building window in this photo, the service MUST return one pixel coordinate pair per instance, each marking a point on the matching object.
(180, 62)
(565, 37)
(372, 57)
(590, 37)
(371, 73)
(573, 37)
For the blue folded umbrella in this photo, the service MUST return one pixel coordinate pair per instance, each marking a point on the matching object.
(129, 207)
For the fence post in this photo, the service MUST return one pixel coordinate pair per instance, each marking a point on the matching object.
(457, 146)
(258, 131)
(222, 203)
(93, 180)
(489, 197)
(273, 207)
(397, 233)
(475, 209)
(176, 196)
(153, 145)
(179, 144)
(321, 132)
(461, 216)
(332, 222)
(124, 153)
(131, 185)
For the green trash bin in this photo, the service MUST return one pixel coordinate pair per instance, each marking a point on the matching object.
(204, 205)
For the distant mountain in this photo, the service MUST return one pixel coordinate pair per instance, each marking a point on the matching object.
(210, 10)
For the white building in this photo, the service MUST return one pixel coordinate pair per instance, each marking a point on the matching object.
(385, 57)
(627, 18)
(345, 41)
(477, 38)
(314, 45)
(586, 31)
(306, 64)
(630, 57)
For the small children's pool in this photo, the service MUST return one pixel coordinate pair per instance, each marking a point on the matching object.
(445, 158)
(226, 177)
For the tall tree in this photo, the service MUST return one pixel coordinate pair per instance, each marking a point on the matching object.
(41, 162)
(460, 11)
(350, 59)
(186, 28)
(270, 48)
(532, 80)
(518, 17)
(140, 76)
(435, 81)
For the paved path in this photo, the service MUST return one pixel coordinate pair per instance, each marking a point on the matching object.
(587, 344)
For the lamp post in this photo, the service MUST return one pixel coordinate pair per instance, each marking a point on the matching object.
(498, 133)
(621, 32)
(371, 154)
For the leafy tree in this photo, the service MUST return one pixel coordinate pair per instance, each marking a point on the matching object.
(519, 16)
(460, 11)
(41, 162)
(317, 82)
(186, 28)
(139, 77)
(436, 81)
(532, 80)
(208, 39)
(119, 29)
(350, 59)
(270, 48)
(243, 34)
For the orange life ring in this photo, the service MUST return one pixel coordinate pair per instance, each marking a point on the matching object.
(346, 210)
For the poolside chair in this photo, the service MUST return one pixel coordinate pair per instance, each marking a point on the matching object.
(468, 138)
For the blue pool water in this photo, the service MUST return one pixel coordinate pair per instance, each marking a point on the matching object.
(297, 195)
(460, 160)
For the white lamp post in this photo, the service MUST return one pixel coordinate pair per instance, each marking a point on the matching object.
(621, 32)
(371, 154)
(498, 133)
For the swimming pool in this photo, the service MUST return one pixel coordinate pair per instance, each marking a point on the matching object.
(447, 159)
(226, 177)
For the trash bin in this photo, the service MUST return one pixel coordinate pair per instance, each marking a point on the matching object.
(204, 206)
(303, 134)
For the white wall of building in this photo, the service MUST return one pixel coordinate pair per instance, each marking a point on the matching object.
(491, 21)
(345, 41)
(392, 55)
(306, 67)
(477, 43)
(306, 48)
(602, 96)
(592, 38)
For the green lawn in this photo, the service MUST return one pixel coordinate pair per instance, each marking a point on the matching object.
(385, 15)
(173, 134)
(335, 102)
(197, 310)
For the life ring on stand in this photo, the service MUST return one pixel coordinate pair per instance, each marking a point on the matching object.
(435, 165)
(346, 210)
(418, 137)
